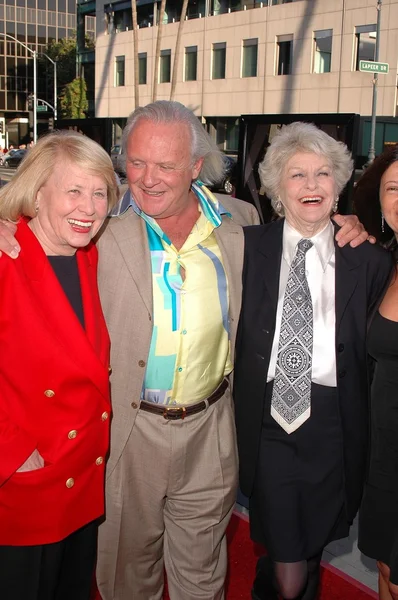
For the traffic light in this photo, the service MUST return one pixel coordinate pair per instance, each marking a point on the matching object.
(1, 127)
(30, 102)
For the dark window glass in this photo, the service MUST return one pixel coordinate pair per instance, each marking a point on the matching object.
(165, 66)
(61, 5)
(122, 21)
(284, 58)
(10, 28)
(21, 3)
(31, 33)
(42, 4)
(52, 4)
(249, 58)
(10, 65)
(191, 62)
(219, 59)
(61, 33)
(21, 32)
(142, 68)
(2, 100)
(31, 3)
(365, 47)
(72, 6)
(119, 71)
(145, 15)
(11, 104)
(52, 34)
(41, 34)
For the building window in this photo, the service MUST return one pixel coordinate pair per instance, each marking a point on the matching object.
(119, 71)
(142, 63)
(284, 51)
(322, 51)
(165, 66)
(365, 44)
(249, 58)
(218, 60)
(191, 63)
(122, 20)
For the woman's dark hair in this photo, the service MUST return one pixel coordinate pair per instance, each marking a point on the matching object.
(366, 198)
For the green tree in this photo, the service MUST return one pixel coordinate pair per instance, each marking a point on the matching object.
(73, 100)
(64, 53)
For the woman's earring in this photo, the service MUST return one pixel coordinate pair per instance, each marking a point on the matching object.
(382, 223)
(336, 204)
(36, 206)
(278, 205)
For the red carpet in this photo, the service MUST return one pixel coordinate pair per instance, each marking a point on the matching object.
(243, 554)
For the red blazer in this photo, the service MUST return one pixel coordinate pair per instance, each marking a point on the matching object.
(54, 397)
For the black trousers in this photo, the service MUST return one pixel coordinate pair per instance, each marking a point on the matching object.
(60, 571)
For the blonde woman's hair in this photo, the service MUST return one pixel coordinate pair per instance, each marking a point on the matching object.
(18, 197)
(302, 137)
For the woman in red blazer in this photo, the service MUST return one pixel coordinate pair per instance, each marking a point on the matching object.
(54, 371)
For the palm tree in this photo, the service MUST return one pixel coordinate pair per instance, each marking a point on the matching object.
(177, 48)
(157, 54)
(135, 38)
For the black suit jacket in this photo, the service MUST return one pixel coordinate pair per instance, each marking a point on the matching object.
(361, 277)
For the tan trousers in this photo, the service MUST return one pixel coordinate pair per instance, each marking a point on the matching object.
(169, 501)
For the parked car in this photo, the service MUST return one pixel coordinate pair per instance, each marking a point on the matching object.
(227, 185)
(117, 158)
(13, 160)
(5, 156)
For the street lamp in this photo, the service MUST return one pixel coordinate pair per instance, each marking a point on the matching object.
(54, 62)
(34, 53)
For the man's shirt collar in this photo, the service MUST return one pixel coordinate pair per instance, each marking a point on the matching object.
(323, 243)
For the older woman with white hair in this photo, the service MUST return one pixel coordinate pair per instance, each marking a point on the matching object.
(301, 386)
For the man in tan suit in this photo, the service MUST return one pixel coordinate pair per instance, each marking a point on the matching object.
(170, 283)
(172, 471)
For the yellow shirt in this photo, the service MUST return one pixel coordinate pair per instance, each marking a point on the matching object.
(190, 348)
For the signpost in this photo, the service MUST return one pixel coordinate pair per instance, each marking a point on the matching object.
(41, 108)
(372, 153)
(369, 66)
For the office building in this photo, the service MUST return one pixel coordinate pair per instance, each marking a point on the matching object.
(237, 57)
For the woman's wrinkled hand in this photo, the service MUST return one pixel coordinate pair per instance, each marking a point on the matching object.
(8, 243)
(352, 231)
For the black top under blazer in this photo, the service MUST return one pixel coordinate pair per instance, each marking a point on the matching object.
(361, 277)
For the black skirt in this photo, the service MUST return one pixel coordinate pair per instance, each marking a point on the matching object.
(378, 515)
(297, 505)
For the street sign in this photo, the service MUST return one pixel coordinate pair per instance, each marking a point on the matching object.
(41, 108)
(369, 66)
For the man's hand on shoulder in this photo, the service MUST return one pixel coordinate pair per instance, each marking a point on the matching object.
(352, 231)
(8, 243)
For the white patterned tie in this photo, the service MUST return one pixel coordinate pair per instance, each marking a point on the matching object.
(291, 394)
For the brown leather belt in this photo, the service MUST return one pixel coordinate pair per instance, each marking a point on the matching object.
(180, 412)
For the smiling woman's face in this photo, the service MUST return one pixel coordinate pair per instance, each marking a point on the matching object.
(72, 206)
(308, 192)
(389, 196)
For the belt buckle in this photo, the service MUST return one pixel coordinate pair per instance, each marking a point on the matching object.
(174, 411)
